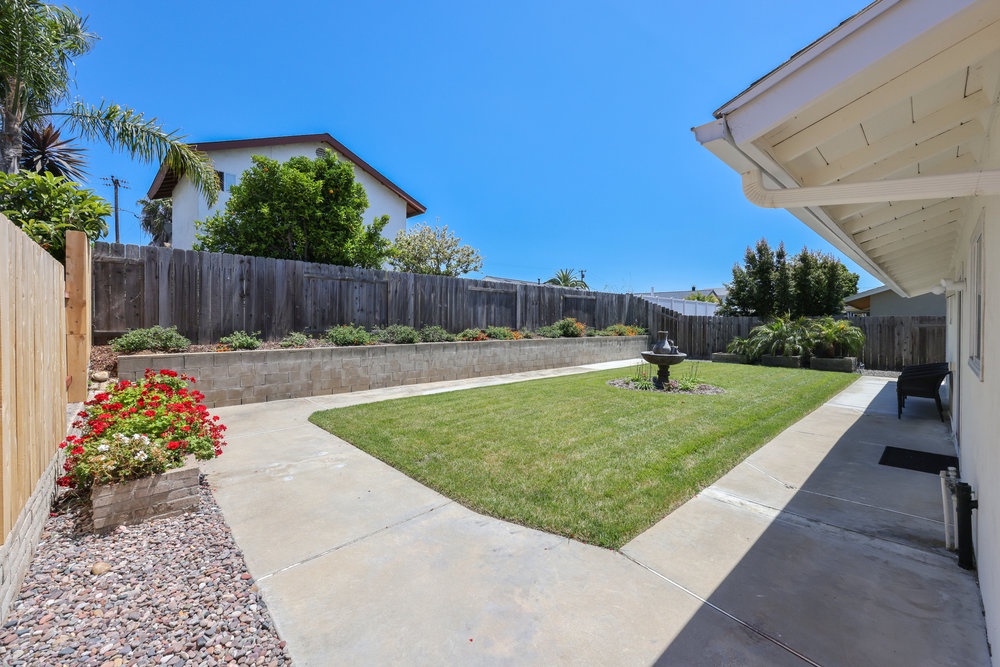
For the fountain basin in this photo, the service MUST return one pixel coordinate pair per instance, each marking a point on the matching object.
(662, 358)
(664, 355)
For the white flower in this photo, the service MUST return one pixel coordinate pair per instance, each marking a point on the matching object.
(141, 456)
(103, 447)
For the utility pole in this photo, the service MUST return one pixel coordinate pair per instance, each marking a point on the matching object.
(117, 183)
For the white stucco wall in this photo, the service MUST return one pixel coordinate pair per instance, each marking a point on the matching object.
(889, 303)
(189, 206)
(978, 419)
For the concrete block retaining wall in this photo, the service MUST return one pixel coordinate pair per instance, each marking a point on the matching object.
(233, 378)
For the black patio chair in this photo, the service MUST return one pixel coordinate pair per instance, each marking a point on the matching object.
(922, 381)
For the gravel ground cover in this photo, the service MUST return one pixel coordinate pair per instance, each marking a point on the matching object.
(176, 592)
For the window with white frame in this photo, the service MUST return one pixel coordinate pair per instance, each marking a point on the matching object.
(977, 301)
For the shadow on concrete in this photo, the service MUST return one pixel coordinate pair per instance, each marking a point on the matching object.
(812, 548)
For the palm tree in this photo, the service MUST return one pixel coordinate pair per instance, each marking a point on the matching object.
(44, 150)
(37, 50)
(568, 278)
(155, 219)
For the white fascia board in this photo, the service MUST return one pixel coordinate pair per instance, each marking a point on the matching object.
(851, 48)
(716, 138)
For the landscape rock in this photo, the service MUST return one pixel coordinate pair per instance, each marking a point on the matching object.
(171, 591)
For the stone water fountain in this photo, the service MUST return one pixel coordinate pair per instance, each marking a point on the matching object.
(664, 355)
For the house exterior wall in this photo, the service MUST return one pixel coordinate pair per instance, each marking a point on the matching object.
(189, 206)
(978, 420)
(888, 303)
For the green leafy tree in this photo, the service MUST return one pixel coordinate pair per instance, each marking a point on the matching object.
(568, 278)
(155, 218)
(38, 48)
(752, 289)
(805, 283)
(46, 206)
(767, 285)
(305, 209)
(782, 281)
(435, 251)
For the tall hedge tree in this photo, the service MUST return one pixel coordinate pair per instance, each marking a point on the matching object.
(305, 209)
(767, 285)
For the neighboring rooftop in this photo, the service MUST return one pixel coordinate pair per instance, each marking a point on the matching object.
(166, 179)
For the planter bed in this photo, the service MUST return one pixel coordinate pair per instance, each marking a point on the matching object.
(162, 495)
(838, 364)
(234, 378)
(729, 358)
(783, 362)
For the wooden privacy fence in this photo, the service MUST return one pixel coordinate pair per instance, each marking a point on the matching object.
(35, 306)
(894, 342)
(210, 295)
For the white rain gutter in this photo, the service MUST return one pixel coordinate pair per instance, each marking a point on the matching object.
(979, 183)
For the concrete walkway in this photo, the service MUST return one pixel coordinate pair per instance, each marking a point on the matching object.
(808, 553)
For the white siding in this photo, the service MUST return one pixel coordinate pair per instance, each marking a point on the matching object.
(189, 206)
(978, 418)
(889, 303)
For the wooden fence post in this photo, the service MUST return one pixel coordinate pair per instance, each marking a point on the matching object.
(78, 325)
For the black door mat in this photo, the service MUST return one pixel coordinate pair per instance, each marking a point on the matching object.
(911, 459)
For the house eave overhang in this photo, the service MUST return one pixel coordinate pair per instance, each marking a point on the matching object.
(876, 136)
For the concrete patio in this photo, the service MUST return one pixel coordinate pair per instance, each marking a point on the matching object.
(809, 552)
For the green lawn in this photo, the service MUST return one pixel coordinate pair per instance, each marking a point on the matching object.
(575, 456)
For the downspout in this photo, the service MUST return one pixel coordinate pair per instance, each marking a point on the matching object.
(971, 184)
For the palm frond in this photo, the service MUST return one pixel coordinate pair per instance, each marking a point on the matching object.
(39, 44)
(129, 130)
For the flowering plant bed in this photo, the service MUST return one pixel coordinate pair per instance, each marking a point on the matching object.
(138, 429)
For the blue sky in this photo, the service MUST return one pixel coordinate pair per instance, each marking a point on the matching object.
(548, 134)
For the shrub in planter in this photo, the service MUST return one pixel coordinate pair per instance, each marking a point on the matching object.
(398, 334)
(739, 351)
(295, 339)
(472, 335)
(550, 331)
(436, 334)
(621, 330)
(157, 339)
(836, 338)
(347, 334)
(140, 429)
(241, 340)
(570, 328)
(781, 337)
(503, 333)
